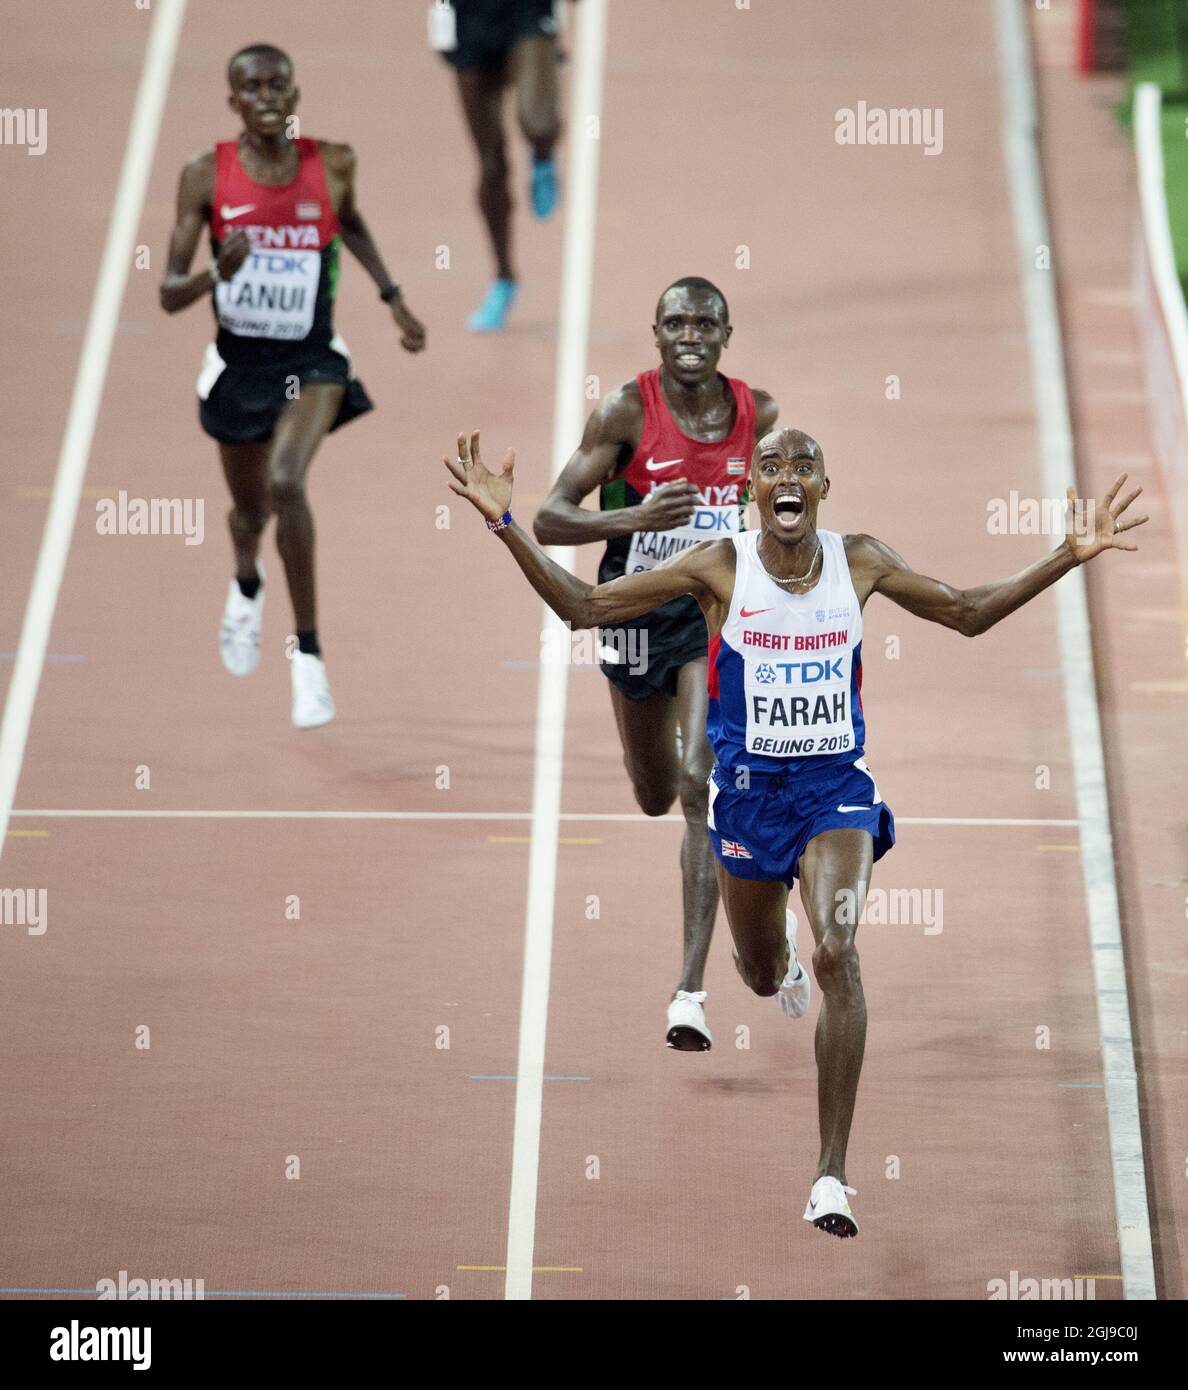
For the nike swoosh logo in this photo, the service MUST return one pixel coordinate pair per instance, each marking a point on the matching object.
(855, 808)
(665, 463)
(750, 612)
(230, 214)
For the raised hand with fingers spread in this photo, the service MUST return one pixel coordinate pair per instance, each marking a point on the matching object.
(1092, 528)
(490, 493)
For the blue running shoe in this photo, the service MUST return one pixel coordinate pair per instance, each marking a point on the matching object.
(544, 188)
(491, 315)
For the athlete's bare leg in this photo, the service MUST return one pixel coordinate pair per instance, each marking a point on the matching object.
(659, 775)
(482, 101)
(698, 883)
(647, 731)
(834, 877)
(245, 466)
(299, 431)
(533, 65)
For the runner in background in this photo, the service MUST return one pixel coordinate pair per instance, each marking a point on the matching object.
(493, 45)
(277, 378)
(668, 453)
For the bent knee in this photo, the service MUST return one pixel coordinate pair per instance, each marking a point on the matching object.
(836, 964)
(651, 799)
(285, 491)
(761, 976)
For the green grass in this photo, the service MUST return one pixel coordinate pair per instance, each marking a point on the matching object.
(1157, 47)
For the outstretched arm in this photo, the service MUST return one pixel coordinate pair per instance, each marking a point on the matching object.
(695, 571)
(1091, 528)
(357, 239)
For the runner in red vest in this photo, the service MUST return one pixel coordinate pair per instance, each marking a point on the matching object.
(670, 452)
(277, 378)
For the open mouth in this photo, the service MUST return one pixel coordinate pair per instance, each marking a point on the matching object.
(788, 508)
(689, 359)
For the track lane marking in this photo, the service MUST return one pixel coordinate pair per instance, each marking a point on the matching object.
(87, 396)
(569, 404)
(630, 817)
(1046, 351)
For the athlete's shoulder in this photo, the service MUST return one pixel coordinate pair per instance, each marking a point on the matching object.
(198, 177)
(338, 158)
(620, 413)
(869, 553)
(766, 411)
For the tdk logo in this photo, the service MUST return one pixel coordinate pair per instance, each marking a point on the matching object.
(810, 672)
(712, 521)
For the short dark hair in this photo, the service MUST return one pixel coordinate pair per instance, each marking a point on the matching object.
(257, 50)
(696, 282)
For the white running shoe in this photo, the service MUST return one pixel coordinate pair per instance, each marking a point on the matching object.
(312, 702)
(828, 1209)
(687, 1031)
(797, 988)
(239, 633)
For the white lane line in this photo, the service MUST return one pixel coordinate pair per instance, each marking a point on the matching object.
(569, 404)
(634, 817)
(87, 396)
(1076, 659)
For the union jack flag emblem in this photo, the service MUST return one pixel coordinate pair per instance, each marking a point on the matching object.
(733, 850)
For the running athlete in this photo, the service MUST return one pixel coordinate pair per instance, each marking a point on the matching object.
(669, 452)
(278, 377)
(492, 44)
(791, 794)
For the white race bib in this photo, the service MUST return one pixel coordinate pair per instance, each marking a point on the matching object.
(272, 295)
(443, 27)
(651, 548)
(798, 702)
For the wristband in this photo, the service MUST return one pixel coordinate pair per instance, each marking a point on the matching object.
(389, 293)
(502, 524)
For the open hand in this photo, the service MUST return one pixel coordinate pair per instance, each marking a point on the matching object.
(1096, 526)
(490, 493)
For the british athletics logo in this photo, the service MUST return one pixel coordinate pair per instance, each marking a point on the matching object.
(731, 849)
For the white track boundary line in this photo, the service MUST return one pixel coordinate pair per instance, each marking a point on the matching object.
(634, 817)
(577, 273)
(1076, 659)
(1148, 146)
(87, 396)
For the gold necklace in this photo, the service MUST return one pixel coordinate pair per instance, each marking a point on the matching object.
(798, 579)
